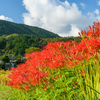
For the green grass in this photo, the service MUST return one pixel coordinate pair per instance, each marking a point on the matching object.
(87, 88)
(5, 92)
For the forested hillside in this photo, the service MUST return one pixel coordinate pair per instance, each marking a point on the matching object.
(57, 39)
(17, 44)
(7, 28)
(16, 38)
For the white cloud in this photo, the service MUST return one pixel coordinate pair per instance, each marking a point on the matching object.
(90, 14)
(83, 5)
(2, 17)
(60, 17)
(99, 3)
(96, 11)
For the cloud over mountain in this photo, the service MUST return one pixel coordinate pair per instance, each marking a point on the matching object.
(62, 18)
(2, 17)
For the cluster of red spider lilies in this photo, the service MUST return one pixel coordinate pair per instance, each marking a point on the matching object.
(55, 55)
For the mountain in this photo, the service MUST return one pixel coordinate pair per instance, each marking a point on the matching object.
(7, 28)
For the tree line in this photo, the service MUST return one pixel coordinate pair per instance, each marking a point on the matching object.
(17, 44)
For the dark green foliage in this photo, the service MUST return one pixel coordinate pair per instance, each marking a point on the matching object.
(5, 59)
(18, 60)
(32, 49)
(57, 39)
(18, 43)
(2, 65)
(26, 37)
(8, 28)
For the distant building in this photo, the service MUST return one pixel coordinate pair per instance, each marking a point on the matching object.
(10, 64)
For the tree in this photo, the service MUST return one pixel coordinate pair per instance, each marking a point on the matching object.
(5, 59)
(32, 49)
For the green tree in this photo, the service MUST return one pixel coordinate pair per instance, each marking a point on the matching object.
(32, 49)
(5, 59)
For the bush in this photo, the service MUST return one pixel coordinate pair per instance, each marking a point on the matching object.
(32, 49)
(2, 65)
(3, 77)
(18, 60)
(5, 59)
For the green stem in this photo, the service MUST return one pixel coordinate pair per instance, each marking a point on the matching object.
(92, 89)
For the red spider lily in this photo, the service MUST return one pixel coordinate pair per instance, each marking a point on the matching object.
(89, 27)
(79, 34)
(51, 86)
(45, 88)
(83, 73)
(55, 55)
(75, 84)
(54, 78)
(63, 89)
(26, 87)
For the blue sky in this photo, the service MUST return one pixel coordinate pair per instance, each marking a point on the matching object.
(63, 17)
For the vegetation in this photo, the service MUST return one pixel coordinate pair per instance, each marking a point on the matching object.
(7, 28)
(5, 59)
(16, 38)
(65, 39)
(32, 49)
(61, 71)
(18, 43)
(3, 77)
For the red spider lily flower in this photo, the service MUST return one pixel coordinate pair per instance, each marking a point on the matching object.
(63, 89)
(83, 73)
(53, 78)
(75, 84)
(45, 88)
(82, 32)
(26, 87)
(89, 27)
(51, 86)
(55, 55)
(79, 34)
(34, 82)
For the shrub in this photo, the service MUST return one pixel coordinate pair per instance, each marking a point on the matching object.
(3, 77)
(5, 59)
